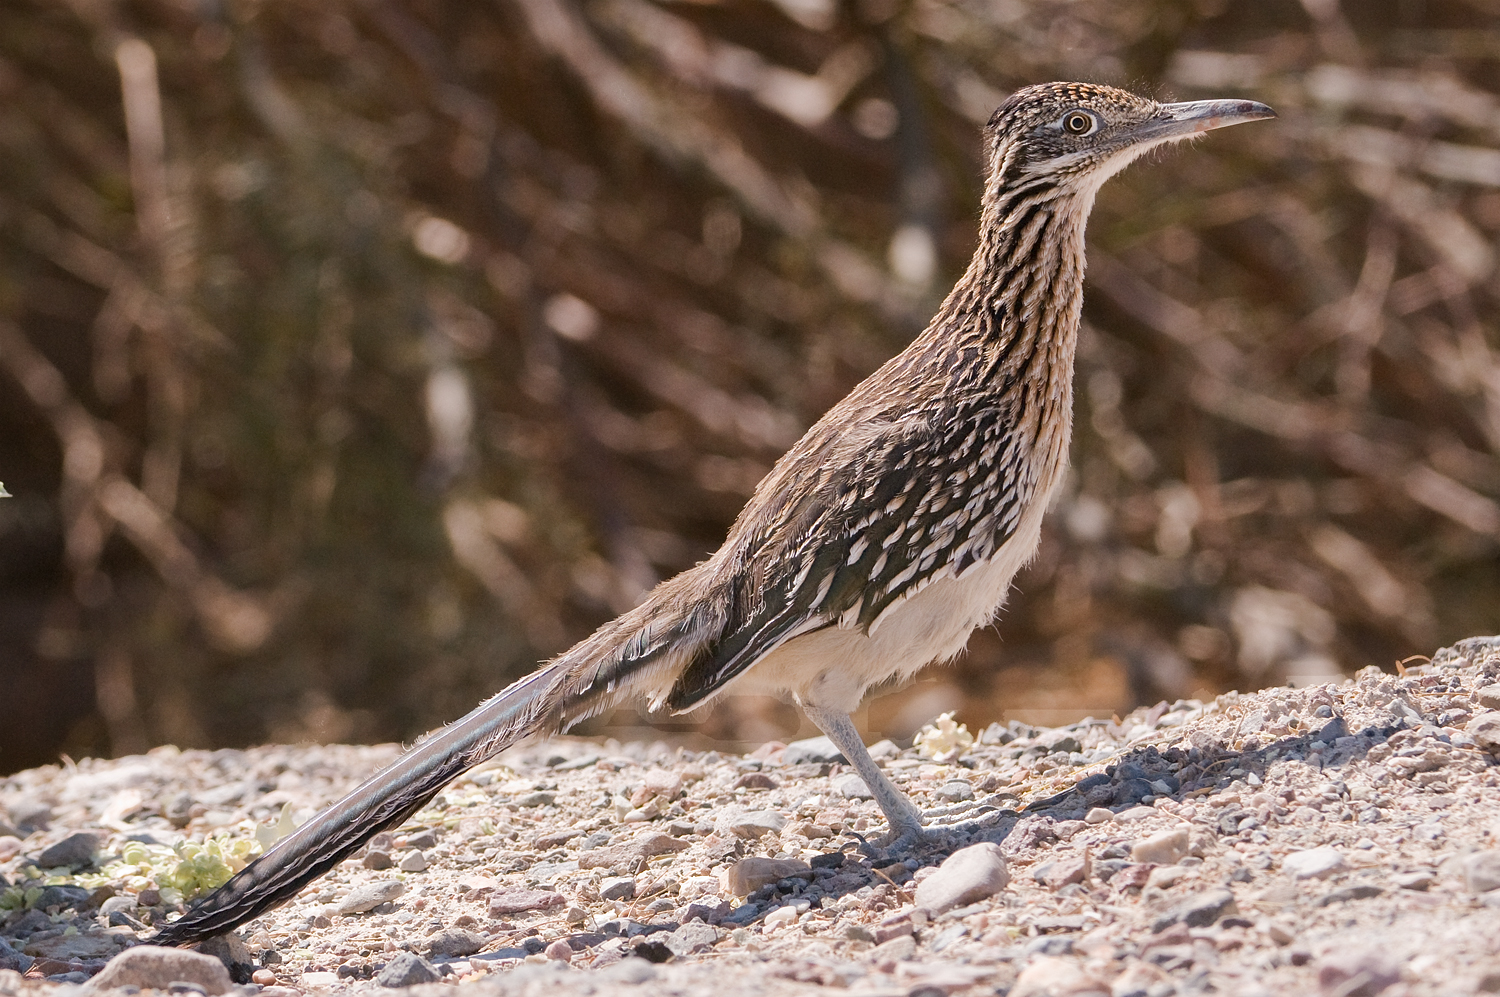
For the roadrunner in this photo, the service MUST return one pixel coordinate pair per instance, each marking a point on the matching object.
(875, 545)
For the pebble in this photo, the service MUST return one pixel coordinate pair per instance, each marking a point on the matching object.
(955, 791)
(969, 874)
(74, 851)
(559, 951)
(377, 860)
(779, 917)
(852, 787)
(1199, 910)
(368, 896)
(1482, 871)
(750, 874)
(1051, 976)
(1339, 973)
(1136, 813)
(627, 856)
(520, 901)
(315, 980)
(1485, 730)
(407, 970)
(1164, 848)
(618, 888)
(1164, 877)
(1099, 815)
(1422, 879)
(413, 861)
(812, 749)
(755, 780)
(755, 823)
(454, 942)
(1489, 697)
(691, 938)
(152, 967)
(1314, 863)
(263, 977)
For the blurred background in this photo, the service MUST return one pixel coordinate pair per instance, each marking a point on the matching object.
(357, 354)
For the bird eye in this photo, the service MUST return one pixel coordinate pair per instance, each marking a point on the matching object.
(1078, 122)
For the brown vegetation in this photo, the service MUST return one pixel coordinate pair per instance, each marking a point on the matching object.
(355, 354)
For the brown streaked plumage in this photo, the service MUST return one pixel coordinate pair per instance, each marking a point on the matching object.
(876, 544)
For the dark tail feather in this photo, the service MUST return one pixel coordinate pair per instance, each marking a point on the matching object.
(382, 801)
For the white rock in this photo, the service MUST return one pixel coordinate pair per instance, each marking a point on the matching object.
(1164, 848)
(1314, 863)
(778, 917)
(967, 875)
(413, 861)
(1049, 976)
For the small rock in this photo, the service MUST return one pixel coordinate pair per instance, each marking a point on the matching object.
(1165, 848)
(896, 950)
(319, 980)
(618, 888)
(263, 978)
(1482, 872)
(377, 860)
(1485, 730)
(1164, 877)
(755, 823)
(665, 782)
(152, 967)
(371, 895)
(967, 875)
(1422, 879)
(413, 861)
(1066, 871)
(750, 874)
(1098, 815)
(424, 839)
(1314, 863)
(778, 917)
(813, 749)
(955, 791)
(520, 901)
(230, 949)
(1050, 976)
(1359, 891)
(73, 948)
(627, 856)
(540, 798)
(454, 942)
(852, 787)
(755, 780)
(693, 937)
(1357, 974)
(407, 970)
(1199, 910)
(74, 851)
(1141, 979)
(559, 951)
(1489, 697)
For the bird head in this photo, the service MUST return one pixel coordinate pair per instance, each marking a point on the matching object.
(1075, 136)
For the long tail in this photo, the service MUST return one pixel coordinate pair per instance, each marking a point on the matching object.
(382, 801)
(621, 658)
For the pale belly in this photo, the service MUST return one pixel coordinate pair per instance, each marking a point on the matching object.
(834, 667)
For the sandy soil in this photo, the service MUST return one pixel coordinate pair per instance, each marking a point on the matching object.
(1335, 839)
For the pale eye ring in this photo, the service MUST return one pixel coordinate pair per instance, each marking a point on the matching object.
(1078, 122)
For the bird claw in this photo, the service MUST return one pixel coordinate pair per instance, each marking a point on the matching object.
(935, 832)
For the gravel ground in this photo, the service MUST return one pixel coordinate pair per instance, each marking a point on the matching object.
(1334, 839)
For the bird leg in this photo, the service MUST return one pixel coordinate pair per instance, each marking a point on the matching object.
(902, 815)
(909, 826)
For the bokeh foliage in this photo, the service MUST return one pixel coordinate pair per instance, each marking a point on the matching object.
(358, 353)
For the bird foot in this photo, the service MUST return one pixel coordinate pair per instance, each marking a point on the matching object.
(941, 828)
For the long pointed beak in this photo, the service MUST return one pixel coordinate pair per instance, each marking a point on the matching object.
(1172, 121)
